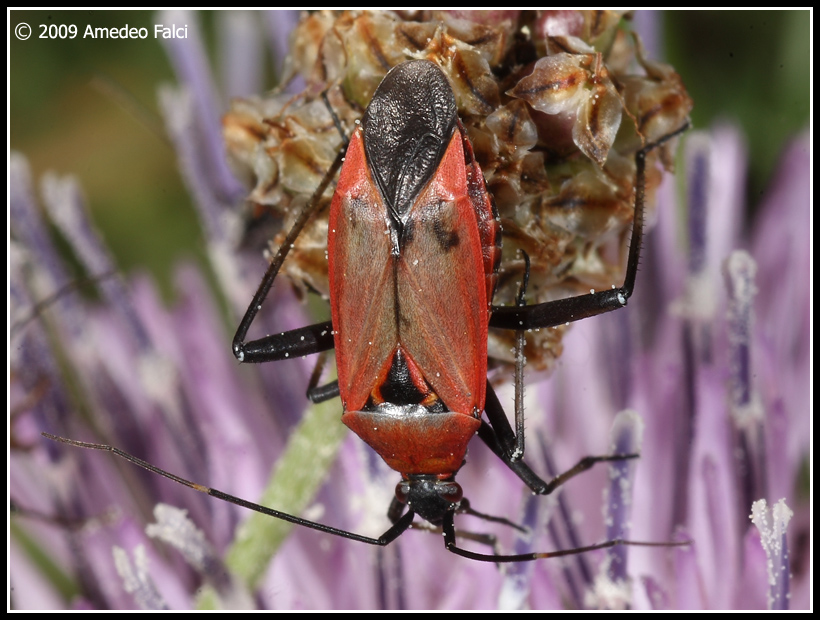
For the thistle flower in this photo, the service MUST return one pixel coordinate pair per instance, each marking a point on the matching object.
(689, 355)
(700, 355)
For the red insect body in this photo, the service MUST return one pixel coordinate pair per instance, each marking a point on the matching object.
(414, 245)
(411, 288)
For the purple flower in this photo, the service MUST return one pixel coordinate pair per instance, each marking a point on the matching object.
(710, 362)
(719, 375)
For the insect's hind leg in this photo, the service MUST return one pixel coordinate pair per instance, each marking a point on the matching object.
(254, 351)
(498, 435)
(320, 337)
(562, 311)
(520, 336)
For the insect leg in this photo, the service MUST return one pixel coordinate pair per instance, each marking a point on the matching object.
(465, 508)
(518, 452)
(562, 311)
(268, 349)
(311, 339)
(324, 392)
(286, 345)
(316, 393)
(488, 540)
(499, 437)
(336, 121)
(395, 510)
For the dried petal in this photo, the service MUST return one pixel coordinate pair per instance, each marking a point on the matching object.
(598, 121)
(554, 85)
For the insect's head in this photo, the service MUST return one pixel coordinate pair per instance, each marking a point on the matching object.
(429, 496)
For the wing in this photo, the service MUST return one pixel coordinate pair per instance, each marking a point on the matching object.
(413, 245)
(441, 292)
(361, 276)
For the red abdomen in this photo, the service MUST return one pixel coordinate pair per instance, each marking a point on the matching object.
(413, 246)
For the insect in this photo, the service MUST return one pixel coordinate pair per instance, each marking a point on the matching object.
(414, 246)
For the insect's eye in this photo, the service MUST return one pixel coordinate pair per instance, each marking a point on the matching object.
(402, 491)
(450, 491)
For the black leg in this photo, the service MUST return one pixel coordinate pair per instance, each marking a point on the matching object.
(287, 345)
(323, 392)
(315, 392)
(562, 311)
(499, 437)
(465, 508)
(281, 346)
(307, 340)
(501, 430)
(518, 452)
(488, 540)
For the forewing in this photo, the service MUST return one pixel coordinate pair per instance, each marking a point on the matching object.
(441, 291)
(361, 280)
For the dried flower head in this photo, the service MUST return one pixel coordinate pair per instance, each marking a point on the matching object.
(552, 103)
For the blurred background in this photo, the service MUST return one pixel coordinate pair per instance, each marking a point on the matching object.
(89, 107)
